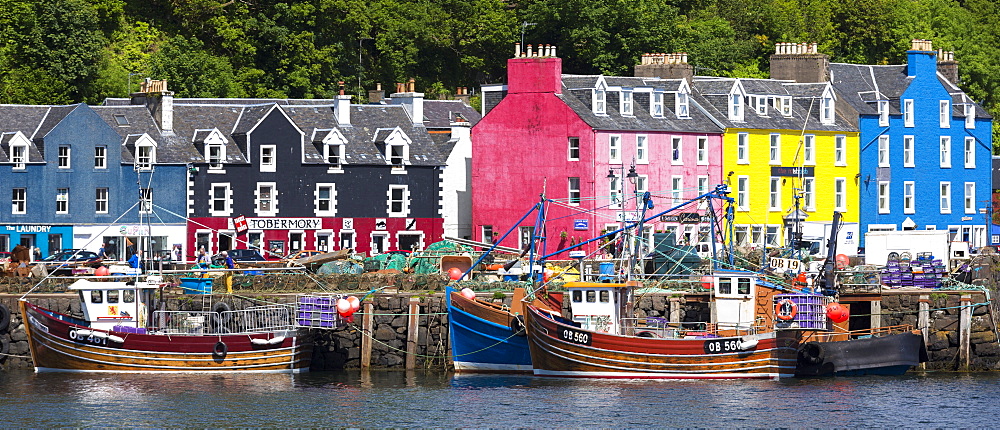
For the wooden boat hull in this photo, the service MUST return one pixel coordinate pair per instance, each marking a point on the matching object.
(563, 350)
(57, 344)
(482, 339)
(892, 354)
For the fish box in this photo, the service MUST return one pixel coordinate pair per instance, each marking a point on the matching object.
(196, 285)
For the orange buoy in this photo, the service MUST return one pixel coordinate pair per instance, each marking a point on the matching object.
(837, 313)
(706, 282)
(468, 293)
(455, 273)
(102, 271)
(355, 303)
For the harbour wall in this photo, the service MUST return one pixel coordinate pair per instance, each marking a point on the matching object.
(406, 325)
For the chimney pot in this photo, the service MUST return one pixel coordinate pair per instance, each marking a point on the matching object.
(517, 50)
(530, 51)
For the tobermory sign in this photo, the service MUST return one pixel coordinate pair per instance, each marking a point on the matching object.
(793, 171)
(281, 223)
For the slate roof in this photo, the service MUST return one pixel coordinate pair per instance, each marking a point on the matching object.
(441, 113)
(169, 149)
(34, 121)
(863, 85)
(577, 94)
(192, 122)
(713, 95)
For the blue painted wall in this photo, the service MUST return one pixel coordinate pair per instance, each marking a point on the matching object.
(926, 91)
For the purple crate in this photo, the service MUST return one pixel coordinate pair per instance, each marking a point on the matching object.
(327, 316)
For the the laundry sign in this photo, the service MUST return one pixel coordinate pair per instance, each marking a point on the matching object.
(283, 223)
(29, 228)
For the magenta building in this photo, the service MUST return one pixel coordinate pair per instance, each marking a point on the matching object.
(578, 139)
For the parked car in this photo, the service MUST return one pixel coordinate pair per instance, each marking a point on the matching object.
(75, 255)
(245, 255)
(303, 254)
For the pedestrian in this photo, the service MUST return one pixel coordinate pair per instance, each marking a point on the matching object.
(38, 253)
(202, 260)
(102, 253)
(230, 264)
(135, 261)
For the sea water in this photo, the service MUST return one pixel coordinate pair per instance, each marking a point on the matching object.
(438, 399)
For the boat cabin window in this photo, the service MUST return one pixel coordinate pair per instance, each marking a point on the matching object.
(725, 286)
(605, 296)
(743, 286)
(97, 296)
(113, 296)
(128, 296)
(591, 296)
(577, 296)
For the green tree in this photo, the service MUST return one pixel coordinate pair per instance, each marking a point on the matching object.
(192, 71)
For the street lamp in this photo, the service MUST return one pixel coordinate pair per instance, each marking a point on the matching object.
(619, 193)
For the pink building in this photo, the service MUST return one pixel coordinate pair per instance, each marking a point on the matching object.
(575, 137)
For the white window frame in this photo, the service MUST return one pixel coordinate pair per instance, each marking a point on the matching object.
(883, 113)
(404, 158)
(19, 156)
(600, 100)
(743, 193)
(65, 161)
(336, 152)
(944, 152)
(884, 198)
(736, 107)
(970, 197)
(146, 200)
(626, 102)
(215, 154)
(682, 105)
(761, 105)
(62, 200)
(145, 156)
(404, 202)
(907, 112)
(702, 150)
(616, 192)
(840, 194)
(676, 150)
(944, 196)
(226, 199)
(573, 191)
(101, 196)
(809, 150)
(268, 162)
(944, 114)
(615, 149)
(970, 152)
(969, 110)
(573, 144)
(883, 150)
(331, 200)
(840, 150)
(642, 149)
(908, 151)
(743, 148)
(774, 155)
(641, 184)
(702, 184)
(19, 201)
(258, 199)
(677, 188)
(100, 157)
(786, 106)
(809, 194)
(656, 104)
(827, 110)
(909, 197)
(774, 194)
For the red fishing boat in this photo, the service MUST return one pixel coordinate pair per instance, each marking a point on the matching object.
(119, 333)
(601, 340)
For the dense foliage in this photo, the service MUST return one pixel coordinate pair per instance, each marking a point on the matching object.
(58, 51)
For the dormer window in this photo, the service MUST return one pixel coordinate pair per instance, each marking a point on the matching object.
(969, 110)
(656, 105)
(762, 105)
(600, 101)
(735, 107)
(145, 156)
(396, 154)
(334, 155)
(626, 102)
(682, 105)
(786, 106)
(826, 110)
(216, 154)
(883, 113)
(19, 156)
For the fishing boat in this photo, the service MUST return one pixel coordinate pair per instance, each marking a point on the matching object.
(601, 340)
(490, 337)
(888, 351)
(120, 332)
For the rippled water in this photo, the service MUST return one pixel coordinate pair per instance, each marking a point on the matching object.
(432, 399)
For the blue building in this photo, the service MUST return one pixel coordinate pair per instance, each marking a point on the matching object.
(73, 180)
(926, 147)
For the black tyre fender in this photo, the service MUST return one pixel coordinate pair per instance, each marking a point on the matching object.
(812, 353)
(220, 317)
(4, 318)
(220, 350)
(517, 325)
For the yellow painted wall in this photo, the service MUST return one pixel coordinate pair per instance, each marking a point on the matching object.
(758, 169)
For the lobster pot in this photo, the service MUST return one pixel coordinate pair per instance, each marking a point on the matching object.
(810, 311)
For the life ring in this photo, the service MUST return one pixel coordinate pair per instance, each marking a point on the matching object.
(517, 325)
(220, 349)
(4, 317)
(786, 309)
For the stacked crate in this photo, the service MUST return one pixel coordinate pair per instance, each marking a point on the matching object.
(924, 272)
(317, 311)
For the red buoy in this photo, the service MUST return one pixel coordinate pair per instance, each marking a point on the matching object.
(455, 273)
(344, 308)
(102, 271)
(355, 303)
(837, 313)
(706, 282)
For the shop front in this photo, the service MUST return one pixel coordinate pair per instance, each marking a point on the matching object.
(158, 242)
(48, 239)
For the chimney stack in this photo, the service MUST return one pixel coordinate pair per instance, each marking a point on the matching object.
(160, 102)
(947, 66)
(411, 100)
(799, 62)
(920, 59)
(376, 95)
(665, 66)
(531, 72)
(462, 94)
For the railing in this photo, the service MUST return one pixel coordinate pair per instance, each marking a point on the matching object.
(854, 334)
(662, 328)
(259, 319)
